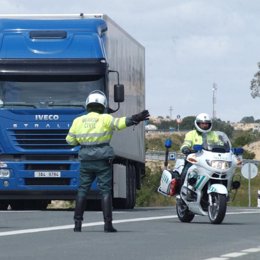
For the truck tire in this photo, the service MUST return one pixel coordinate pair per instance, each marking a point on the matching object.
(129, 201)
(93, 205)
(17, 204)
(37, 204)
(29, 204)
(4, 205)
(132, 187)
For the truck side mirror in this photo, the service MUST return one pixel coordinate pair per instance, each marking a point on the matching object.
(119, 93)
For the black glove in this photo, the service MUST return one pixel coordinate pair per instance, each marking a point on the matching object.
(137, 118)
(186, 150)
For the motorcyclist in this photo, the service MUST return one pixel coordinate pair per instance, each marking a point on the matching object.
(203, 125)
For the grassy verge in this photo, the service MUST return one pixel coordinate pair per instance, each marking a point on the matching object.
(148, 195)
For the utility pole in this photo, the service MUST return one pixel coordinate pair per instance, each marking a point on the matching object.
(214, 89)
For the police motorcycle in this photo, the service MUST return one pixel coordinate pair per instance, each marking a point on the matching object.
(209, 180)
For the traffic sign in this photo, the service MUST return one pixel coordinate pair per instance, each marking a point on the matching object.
(249, 170)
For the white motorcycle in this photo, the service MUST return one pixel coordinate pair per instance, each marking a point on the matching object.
(208, 182)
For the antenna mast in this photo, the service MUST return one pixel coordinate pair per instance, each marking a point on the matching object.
(214, 89)
(171, 109)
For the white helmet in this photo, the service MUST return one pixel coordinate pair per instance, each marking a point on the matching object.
(203, 118)
(96, 97)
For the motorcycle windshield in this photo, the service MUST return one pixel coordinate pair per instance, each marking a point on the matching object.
(216, 141)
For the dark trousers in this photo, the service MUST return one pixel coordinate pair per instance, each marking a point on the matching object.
(89, 170)
(187, 165)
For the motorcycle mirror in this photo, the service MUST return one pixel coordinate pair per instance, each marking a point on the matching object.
(168, 143)
(238, 150)
(197, 147)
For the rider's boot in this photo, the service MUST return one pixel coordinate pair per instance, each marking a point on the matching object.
(78, 213)
(107, 212)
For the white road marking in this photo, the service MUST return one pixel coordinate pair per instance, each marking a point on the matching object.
(92, 224)
(252, 250)
(222, 257)
(235, 254)
(37, 230)
(217, 258)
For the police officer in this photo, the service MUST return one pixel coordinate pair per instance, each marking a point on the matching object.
(93, 132)
(203, 124)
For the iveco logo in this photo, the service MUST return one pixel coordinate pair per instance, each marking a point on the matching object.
(46, 117)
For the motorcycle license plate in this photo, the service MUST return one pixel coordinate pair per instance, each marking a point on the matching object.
(47, 174)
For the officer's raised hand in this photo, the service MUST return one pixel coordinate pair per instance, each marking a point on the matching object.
(137, 118)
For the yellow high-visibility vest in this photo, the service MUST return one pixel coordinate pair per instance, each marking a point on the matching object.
(94, 129)
(193, 137)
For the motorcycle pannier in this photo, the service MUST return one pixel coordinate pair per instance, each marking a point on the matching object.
(169, 183)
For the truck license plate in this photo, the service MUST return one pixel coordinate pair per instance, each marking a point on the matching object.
(39, 174)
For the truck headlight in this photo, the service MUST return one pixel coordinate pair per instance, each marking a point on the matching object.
(4, 173)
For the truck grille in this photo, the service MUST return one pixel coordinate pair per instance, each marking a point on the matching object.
(47, 181)
(47, 139)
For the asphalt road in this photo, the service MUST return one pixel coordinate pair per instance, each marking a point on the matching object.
(143, 233)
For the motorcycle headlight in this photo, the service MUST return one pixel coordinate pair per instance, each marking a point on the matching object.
(219, 165)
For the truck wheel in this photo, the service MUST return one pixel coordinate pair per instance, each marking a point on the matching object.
(29, 204)
(93, 205)
(132, 187)
(3, 205)
(36, 204)
(129, 201)
(17, 204)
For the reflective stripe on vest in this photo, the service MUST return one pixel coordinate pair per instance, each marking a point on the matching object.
(94, 128)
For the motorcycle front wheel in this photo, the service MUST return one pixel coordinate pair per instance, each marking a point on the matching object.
(217, 210)
(183, 212)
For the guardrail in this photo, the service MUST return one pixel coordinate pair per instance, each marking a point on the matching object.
(160, 156)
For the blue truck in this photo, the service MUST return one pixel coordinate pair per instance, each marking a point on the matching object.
(48, 66)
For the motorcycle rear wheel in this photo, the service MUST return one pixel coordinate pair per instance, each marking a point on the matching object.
(183, 212)
(217, 210)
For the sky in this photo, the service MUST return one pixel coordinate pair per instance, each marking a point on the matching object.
(190, 46)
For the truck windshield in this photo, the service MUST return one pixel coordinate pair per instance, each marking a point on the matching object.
(47, 94)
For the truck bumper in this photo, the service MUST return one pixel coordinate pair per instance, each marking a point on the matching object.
(44, 180)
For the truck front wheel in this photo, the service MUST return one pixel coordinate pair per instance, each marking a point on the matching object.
(29, 204)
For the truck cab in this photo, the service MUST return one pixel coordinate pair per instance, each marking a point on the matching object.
(48, 66)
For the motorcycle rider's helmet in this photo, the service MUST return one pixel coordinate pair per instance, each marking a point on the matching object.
(202, 119)
(96, 101)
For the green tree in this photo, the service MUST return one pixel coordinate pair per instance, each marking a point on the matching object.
(187, 123)
(219, 125)
(247, 119)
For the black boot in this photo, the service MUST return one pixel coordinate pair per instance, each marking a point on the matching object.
(77, 227)
(78, 213)
(107, 213)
